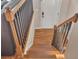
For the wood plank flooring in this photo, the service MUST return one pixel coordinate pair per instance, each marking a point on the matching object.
(42, 48)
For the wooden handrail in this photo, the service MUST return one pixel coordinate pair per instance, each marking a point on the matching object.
(72, 19)
(11, 12)
(61, 31)
(16, 8)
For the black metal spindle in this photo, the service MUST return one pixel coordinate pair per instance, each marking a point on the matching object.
(18, 20)
(17, 28)
(67, 31)
(22, 22)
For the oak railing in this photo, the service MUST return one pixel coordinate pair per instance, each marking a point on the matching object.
(61, 31)
(16, 19)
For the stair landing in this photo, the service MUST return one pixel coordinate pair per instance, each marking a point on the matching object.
(42, 48)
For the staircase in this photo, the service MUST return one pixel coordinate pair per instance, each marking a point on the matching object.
(42, 48)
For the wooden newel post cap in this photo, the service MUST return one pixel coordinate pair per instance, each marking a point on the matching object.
(9, 14)
(75, 19)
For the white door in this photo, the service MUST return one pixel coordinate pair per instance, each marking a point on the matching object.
(50, 11)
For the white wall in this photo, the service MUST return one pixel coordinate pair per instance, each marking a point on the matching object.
(64, 9)
(72, 49)
(37, 7)
(51, 9)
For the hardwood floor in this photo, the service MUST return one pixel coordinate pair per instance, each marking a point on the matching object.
(42, 48)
